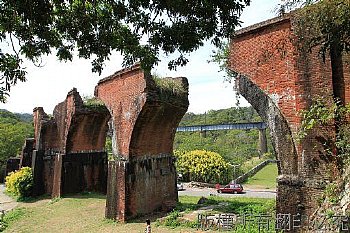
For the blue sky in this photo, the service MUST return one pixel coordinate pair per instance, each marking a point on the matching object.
(48, 85)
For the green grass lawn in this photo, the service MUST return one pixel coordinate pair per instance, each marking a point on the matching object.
(265, 178)
(85, 213)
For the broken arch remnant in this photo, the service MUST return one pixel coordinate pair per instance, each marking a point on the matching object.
(280, 80)
(144, 118)
(67, 154)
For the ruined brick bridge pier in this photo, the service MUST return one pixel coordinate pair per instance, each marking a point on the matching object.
(144, 120)
(68, 152)
(280, 80)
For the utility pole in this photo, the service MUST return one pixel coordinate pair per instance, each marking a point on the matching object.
(234, 171)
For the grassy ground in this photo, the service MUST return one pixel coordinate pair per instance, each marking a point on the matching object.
(85, 213)
(265, 178)
(249, 164)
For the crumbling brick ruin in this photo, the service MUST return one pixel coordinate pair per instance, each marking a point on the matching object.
(144, 120)
(27, 152)
(68, 153)
(280, 80)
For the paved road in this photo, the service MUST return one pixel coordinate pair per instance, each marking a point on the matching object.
(258, 193)
(6, 202)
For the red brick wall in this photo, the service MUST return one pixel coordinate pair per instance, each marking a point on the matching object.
(88, 132)
(145, 119)
(116, 190)
(346, 73)
(268, 55)
(124, 95)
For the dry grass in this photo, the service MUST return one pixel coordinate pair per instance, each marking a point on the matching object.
(85, 213)
(81, 213)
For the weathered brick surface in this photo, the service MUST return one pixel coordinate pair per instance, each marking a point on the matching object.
(71, 145)
(26, 154)
(88, 169)
(69, 157)
(151, 180)
(144, 120)
(280, 80)
(116, 190)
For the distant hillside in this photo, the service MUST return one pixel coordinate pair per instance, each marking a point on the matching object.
(25, 117)
(14, 128)
(223, 116)
(236, 146)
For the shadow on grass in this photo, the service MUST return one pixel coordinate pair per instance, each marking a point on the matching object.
(82, 195)
(85, 195)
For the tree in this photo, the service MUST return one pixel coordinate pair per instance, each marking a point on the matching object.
(13, 132)
(327, 23)
(139, 29)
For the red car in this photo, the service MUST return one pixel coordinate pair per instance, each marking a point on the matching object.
(230, 188)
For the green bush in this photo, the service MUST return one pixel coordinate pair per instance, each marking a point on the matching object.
(20, 183)
(203, 166)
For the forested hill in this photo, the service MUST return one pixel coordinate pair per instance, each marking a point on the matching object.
(223, 116)
(25, 117)
(236, 146)
(14, 128)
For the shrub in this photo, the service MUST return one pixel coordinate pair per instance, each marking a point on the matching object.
(20, 183)
(203, 166)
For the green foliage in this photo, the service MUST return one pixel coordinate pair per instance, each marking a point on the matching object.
(326, 24)
(245, 205)
(108, 148)
(329, 115)
(93, 103)
(11, 217)
(331, 192)
(318, 114)
(20, 183)
(221, 57)
(203, 166)
(236, 146)
(169, 85)
(220, 205)
(223, 116)
(13, 132)
(138, 29)
(172, 220)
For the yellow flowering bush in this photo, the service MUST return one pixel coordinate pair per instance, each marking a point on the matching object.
(202, 166)
(20, 183)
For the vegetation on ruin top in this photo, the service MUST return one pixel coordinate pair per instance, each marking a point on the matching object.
(92, 102)
(169, 85)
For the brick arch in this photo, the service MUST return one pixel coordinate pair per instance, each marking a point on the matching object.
(155, 127)
(88, 131)
(144, 121)
(280, 81)
(282, 139)
(69, 154)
